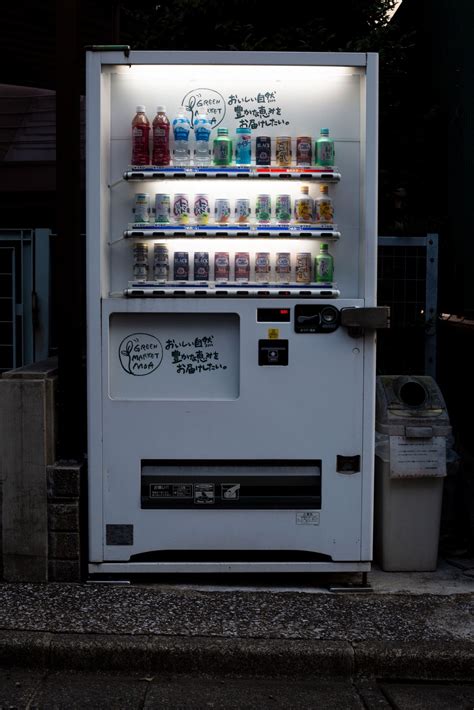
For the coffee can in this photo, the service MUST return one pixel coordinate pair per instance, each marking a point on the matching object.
(242, 210)
(283, 267)
(181, 266)
(283, 151)
(140, 261)
(263, 150)
(304, 151)
(201, 265)
(162, 208)
(262, 266)
(221, 266)
(303, 268)
(141, 209)
(242, 266)
(181, 211)
(221, 210)
(202, 209)
(161, 262)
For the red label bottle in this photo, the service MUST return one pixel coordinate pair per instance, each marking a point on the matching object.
(161, 138)
(140, 138)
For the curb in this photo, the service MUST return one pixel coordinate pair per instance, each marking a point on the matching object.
(442, 660)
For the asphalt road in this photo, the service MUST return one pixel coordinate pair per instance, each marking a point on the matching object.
(41, 690)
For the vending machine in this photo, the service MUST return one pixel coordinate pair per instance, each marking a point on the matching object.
(231, 311)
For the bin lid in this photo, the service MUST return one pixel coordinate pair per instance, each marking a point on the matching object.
(410, 401)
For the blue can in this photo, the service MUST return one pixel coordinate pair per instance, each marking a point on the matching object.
(243, 146)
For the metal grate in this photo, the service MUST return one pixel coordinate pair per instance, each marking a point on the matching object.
(407, 282)
(7, 309)
(24, 296)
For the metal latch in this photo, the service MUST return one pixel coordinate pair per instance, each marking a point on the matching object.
(357, 320)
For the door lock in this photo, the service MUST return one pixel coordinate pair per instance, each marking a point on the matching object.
(358, 320)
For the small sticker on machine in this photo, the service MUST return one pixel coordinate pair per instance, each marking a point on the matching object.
(204, 493)
(308, 517)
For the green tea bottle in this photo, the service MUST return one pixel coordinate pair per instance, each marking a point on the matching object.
(324, 266)
(222, 148)
(324, 149)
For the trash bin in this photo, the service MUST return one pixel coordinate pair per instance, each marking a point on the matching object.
(412, 426)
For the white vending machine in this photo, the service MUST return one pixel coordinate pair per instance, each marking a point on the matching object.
(231, 366)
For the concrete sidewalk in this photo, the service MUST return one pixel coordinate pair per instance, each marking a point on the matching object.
(413, 626)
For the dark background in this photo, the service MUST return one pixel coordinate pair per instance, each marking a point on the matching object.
(426, 145)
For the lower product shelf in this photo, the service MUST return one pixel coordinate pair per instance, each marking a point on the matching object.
(152, 289)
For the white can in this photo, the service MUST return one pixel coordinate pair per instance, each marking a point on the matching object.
(162, 208)
(181, 210)
(202, 209)
(242, 210)
(221, 210)
(141, 209)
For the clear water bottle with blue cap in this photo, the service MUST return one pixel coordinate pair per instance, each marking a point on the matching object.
(202, 137)
(181, 130)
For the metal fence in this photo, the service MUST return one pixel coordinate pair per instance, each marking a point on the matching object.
(24, 296)
(408, 283)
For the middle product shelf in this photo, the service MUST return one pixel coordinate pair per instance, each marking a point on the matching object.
(149, 172)
(297, 231)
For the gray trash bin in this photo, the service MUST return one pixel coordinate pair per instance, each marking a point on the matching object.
(412, 426)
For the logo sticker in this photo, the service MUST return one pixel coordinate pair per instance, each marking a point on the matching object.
(204, 493)
(230, 491)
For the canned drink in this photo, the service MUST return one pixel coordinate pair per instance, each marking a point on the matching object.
(283, 151)
(242, 210)
(161, 262)
(202, 209)
(221, 266)
(181, 266)
(283, 267)
(141, 209)
(201, 265)
(304, 151)
(162, 208)
(283, 208)
(263, 150)
(242, 266)
(262, 266)
(221, 210)
(303, 268)
(140, 261)
(263, 209)
(181, 211)
(243, 146)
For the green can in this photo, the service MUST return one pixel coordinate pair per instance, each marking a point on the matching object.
(222, 148)
(324, 266)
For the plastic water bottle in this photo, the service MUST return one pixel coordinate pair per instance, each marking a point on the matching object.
(181, 129)
(202, 136)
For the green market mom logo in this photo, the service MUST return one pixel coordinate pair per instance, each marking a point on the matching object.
(205, 101)
(140, 354)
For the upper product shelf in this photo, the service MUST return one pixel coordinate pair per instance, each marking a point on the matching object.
(299, 173)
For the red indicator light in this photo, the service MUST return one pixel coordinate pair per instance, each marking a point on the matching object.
(284, 311)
